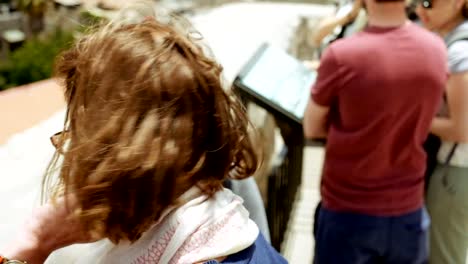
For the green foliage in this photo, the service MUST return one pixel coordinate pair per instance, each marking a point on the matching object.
(34, 60)
(90, 20)
(32, 6)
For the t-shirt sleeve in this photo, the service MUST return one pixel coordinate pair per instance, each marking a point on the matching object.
(458, 57)
(327, 84)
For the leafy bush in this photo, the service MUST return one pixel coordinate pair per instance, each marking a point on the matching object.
(89, 20)
(34, 60)
(32, 6)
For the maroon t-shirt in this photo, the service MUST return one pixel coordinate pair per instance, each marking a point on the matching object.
(383, 87)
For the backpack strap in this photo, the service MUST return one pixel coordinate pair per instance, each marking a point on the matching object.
(450, 155)
(461, 35)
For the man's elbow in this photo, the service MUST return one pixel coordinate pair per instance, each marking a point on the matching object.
(309, 133)
(315, 121)
(314, 132)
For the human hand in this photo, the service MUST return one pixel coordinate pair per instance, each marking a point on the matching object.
(312, 65)
(351, 16)
(52, 226)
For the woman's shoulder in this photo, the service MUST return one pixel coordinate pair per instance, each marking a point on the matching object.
(261, 252)
(458, 56)
(457, 42)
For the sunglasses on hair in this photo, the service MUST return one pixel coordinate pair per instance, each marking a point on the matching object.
(426, 4)
(58, 140)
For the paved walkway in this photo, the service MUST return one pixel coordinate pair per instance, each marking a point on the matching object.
(298, 244)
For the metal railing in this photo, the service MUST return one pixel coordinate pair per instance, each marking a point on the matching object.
(285, 178)
(284, 182)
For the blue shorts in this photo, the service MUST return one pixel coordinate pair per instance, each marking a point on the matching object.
(348, 238)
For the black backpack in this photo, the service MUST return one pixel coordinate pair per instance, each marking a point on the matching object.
(433, 142)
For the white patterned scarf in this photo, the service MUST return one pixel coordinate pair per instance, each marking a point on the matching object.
(202, 229)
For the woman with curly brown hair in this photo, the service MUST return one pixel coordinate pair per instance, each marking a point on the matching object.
(149, 138)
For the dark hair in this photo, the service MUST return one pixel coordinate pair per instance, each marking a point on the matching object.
(411, 10)
(148, 119)
(465, 10)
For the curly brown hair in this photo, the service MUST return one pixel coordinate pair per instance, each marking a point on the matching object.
(147, 119)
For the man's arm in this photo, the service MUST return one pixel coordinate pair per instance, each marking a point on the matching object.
(315, 121)
(323, 94)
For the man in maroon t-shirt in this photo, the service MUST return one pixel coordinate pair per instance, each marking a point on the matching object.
(374, 100)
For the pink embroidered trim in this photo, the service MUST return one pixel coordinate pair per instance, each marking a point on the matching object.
(201, 244)
(208, 238)
(156, 250)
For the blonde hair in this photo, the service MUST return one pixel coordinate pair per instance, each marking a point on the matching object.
(148, 118)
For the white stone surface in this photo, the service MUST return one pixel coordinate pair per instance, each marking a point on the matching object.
(235, 31)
